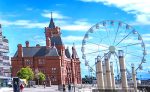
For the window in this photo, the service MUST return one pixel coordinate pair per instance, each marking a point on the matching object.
(43, 71)
(28, 61)
(41, 61)
(54, 70)
(53, 78)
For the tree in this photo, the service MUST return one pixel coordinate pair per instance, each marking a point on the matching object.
(26, 73)
(41, 76)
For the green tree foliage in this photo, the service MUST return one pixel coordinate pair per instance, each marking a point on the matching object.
(26, 73)
(41, 76)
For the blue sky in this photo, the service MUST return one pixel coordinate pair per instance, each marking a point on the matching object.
(24, 20)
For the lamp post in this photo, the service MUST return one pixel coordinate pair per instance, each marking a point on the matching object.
(36, 75)
(38, 79)
(49, 81)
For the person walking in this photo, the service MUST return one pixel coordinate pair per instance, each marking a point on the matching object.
(16, 87)
(44, 84)
(69, 87)
(21, 87)
(64, 88)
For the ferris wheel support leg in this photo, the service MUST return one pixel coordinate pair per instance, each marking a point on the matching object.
(99, 72)
(104, 75)
(112, 76)
(108, 74)
(134, 78)
(123, 71)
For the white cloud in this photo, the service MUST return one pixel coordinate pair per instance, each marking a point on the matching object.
(140, 8)
(24, 23)
(55, 14)
(39, 40)
(146, 37)
(29, 9)
(78, 25)
(72, 38)
(64, 25)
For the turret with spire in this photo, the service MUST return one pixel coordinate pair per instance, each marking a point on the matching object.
(51, 31)
(74, 53)
(51, 24)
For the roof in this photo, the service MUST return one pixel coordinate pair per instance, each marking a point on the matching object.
(56, 40)
(38, 51)
(74, 53)
(51, 25)
(42, 51)
(67, 53)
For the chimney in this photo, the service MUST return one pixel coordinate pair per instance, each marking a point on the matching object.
(37, 45)
(27, 43)
(20, 50)
(48, 42)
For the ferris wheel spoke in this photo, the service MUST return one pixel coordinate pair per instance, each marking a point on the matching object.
(93, 43)
(123, 39)
(105, 55)
(92, 50)
(100, 38)
(97, 44)
(129, 45)
(108, 35)
(116, 34)
(133, 55)
(95, 52)
(116, 62)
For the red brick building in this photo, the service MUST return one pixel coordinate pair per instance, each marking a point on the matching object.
(54, 60)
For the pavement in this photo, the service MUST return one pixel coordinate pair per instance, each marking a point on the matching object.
(53, 88)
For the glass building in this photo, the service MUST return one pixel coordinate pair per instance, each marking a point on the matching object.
(5, 67)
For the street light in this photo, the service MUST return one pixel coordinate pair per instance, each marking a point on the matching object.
(49, 81)
(36, 75)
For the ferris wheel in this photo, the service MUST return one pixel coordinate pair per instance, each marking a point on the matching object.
(106, 38)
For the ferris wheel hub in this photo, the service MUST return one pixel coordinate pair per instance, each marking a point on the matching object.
(112, 49)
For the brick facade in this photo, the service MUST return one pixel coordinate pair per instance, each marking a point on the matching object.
(54, 60)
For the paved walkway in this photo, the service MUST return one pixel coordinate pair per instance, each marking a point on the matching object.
(37, 89)
(53, 88)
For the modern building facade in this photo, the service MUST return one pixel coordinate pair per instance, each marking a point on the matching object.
(54, 59)
(5, 72)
